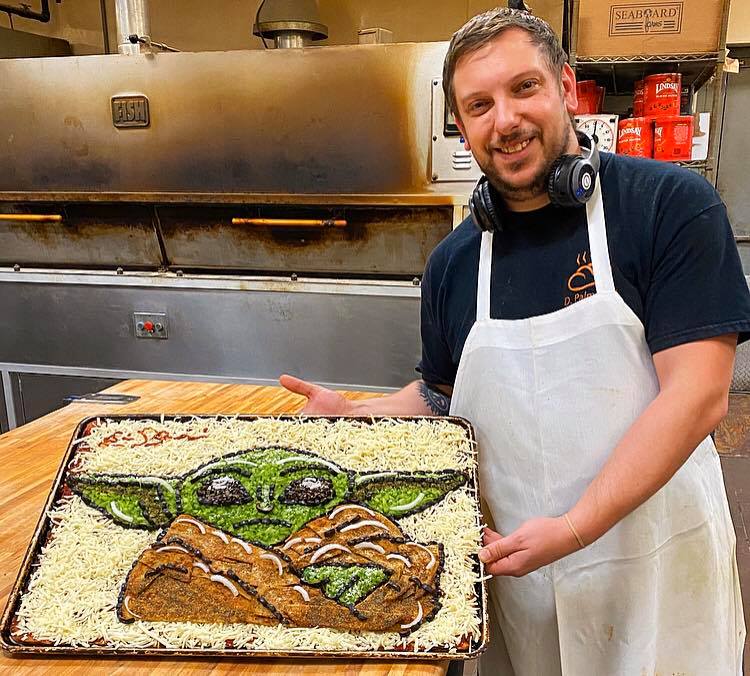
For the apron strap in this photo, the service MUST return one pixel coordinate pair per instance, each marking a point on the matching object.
(485, 274)
(598, 241)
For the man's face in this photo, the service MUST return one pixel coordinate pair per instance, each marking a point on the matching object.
(515, 113)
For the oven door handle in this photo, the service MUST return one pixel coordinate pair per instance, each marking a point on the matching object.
(34, 218)
(292, 222)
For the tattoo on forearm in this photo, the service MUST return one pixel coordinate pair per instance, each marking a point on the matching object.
(438, 402)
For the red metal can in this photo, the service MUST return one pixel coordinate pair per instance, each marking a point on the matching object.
(600, 93)
(587, 97)
(673, 137)
(635, 136)
(638, 99)
(661, 94)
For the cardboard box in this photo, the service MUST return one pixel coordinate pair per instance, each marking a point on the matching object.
(635, 27)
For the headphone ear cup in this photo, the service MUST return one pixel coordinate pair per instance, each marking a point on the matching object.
(489, 206)
(482, 207)
(558, 181)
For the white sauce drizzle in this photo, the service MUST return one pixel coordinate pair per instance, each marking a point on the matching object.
(343, 507)
(413, 503)
(370, 545)
(312, 461)
(173, 548)
(325, 549)
(276, 559)
(243, 544)
(362, 524)
(127, 607)
(118, 513)
(416, 620)
(291, 542)
(400, 558)
(303, 592)
(202, 566)
(221, 535)
(158, 480)
(432, 556)
(187, 519)
(222, 580)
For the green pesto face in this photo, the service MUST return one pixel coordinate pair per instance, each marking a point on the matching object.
(264, 495)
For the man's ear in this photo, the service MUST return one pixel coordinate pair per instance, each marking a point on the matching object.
(569, 91)
(461, 128)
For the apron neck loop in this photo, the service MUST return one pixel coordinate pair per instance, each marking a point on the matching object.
(602, 268)
(485, 274)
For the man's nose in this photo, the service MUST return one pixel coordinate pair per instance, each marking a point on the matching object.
(264, 498)
(505, 118)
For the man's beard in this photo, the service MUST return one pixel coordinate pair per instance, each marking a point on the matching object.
(538, 184)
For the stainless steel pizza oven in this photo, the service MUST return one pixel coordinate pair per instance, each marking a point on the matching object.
(277, 206)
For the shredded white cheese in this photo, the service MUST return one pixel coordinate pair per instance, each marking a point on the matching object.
(73, 591)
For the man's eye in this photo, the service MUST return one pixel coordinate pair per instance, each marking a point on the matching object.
(310, 491)
(476, 106)
(527, 85)
(223, 490)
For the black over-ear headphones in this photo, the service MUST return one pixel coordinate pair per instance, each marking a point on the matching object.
(571, 183)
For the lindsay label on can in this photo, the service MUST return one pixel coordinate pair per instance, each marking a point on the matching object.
(673, 137)
(661, 94)
(635, 137)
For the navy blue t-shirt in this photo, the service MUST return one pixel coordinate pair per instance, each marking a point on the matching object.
(674, 262)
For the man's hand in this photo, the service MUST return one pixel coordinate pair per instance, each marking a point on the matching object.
(320, 401)
(533, 544)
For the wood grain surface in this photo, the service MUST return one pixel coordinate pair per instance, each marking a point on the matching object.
(30, 456)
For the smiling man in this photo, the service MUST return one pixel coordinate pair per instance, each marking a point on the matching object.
(587, 329)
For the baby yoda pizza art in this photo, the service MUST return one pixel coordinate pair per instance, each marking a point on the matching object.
(277, 536)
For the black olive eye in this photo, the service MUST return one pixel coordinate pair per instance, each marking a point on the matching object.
(310, 491)
(223, 490)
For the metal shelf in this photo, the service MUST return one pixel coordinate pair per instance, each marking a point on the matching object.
(693, 164)
(619, 76)
(649, 58)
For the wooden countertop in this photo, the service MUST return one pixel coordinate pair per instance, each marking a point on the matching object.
(30, 456)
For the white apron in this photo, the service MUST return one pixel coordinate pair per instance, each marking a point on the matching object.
(550, 398)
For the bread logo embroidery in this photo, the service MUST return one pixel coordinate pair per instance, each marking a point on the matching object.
(277, 535)
(581, 283)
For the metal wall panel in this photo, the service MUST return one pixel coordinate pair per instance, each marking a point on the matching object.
(352, 120)
(38, 394)
(732, 179)
(343, 334)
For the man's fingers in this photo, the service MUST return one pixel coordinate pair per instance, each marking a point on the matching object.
(298, 386)
(509, 565)
(494, 550)
(489, 535)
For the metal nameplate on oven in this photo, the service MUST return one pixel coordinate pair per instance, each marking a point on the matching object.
(130, 111)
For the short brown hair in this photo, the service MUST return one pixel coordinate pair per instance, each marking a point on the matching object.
(484, 28)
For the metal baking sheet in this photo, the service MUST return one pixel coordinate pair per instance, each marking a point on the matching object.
(43, 529)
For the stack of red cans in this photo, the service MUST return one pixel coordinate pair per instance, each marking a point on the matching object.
(657, 129)
(590, 97)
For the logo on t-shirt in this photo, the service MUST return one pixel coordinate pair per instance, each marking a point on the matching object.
(581, 283)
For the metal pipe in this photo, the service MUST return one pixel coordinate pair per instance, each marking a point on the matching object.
(290, 40)
(132, 19)
(34, 218)
(292, 222)
(26, 13)
(105, 27)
